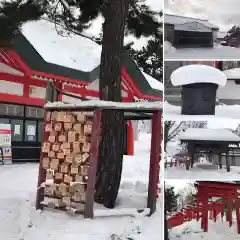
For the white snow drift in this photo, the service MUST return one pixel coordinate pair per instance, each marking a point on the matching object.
(197, 73)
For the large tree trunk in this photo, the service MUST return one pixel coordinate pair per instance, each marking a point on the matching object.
(111, 147)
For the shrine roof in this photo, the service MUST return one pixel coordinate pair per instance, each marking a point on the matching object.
(209, 135)
(176, 19)
(43, 49)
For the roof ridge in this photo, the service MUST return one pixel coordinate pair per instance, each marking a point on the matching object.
(174, 15)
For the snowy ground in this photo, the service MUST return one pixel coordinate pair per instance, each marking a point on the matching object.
(217, 52)
(199, 173)
(192, 230)
(222, 112)
(20, 221)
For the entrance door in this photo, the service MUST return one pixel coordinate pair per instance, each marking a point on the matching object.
(193, 39)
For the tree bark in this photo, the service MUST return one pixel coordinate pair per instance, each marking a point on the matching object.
(111, 146)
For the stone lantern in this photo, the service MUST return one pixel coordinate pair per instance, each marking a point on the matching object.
(199, 86)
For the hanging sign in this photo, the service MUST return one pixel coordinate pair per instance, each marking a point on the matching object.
(6, 143)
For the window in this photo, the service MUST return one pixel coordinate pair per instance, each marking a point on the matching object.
(3, 109)
(30, 131)
(40, 131)
(31, 112)
(34, 112)
(17, 130)
(4, 120)
(15, 110)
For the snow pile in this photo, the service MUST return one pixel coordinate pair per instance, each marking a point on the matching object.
(217, 52)
(65, 50)
(192, 230)
(197, 172)
(206, 134)
(154, 83)
(168, 48)
(20, 220)
(197, 73)
(222, 112)
(233, 73)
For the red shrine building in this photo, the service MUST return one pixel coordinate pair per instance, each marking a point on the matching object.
(44, 52)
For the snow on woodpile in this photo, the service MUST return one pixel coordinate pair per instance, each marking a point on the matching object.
(206, 134)
(69, 50)
(105, 104)
(154, 83)
(233, 73)
(197, 73)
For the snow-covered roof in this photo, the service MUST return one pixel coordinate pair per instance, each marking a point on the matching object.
(233, 73)
(206, 134)
(70, 50)
(154, 83)
(197, 73)
(175, 20)
(106, 104)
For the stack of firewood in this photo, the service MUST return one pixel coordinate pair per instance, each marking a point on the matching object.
(66, 158)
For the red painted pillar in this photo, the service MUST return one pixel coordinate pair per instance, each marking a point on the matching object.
(229, 211)
(214, 214)
(198, 209)
(204, 224)
(237, 214)
(130, 139)
(59, 86)
(155, 155)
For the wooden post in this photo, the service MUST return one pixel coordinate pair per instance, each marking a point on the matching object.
(233, 158)
(220, 160)
(41, 171)
(236, 203)
(155, 155)
(192, 159)
(93, 159)
(227, 162)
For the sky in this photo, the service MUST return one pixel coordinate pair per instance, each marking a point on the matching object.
(223, 13)
(178, 184)
(95, 29)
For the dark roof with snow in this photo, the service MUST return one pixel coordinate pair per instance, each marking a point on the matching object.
(44, 50)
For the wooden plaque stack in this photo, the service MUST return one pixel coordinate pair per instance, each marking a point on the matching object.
(65, 159)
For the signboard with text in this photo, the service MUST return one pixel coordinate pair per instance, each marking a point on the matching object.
(6, 143)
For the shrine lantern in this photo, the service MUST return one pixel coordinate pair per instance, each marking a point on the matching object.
(199, 86)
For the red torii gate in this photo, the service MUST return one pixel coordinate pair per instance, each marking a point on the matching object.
(191, 212)
(226, 191)
(204, 209)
